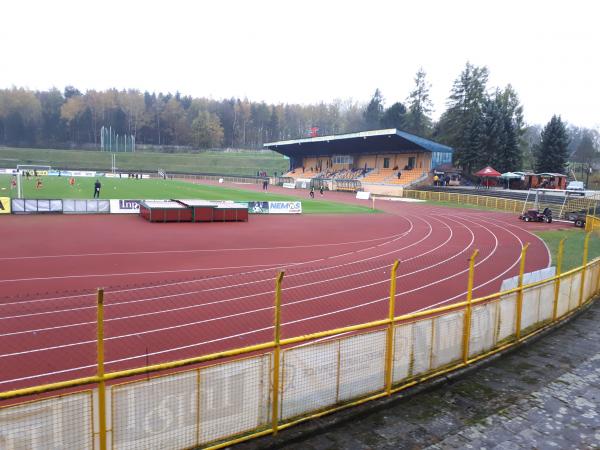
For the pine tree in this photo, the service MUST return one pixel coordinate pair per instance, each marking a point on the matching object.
(551, 153)
(501, 148)
(374, 111)
(394, 116)
(474, 144)
(465, 105)
(418, 120)
(493, 135)
(513, 154)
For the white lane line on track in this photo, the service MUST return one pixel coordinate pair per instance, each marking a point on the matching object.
(213, 278)
(216, 250)
(210, 278)
(488, 281)
(299, 320)
(231, 299)
(259, 309)
(447, 300)
(265, 266)
(269, 292)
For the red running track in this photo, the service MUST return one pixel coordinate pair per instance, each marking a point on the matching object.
(181, 290)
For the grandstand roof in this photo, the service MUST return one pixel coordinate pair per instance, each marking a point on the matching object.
(376, 141)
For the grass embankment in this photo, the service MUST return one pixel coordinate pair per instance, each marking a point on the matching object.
(125, 188)
(226, 163)
(573, 252)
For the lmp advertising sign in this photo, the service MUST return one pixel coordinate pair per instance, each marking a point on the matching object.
(124, 206)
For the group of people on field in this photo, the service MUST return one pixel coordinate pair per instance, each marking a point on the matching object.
(39, 184)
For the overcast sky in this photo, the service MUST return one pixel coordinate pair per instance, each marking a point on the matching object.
(307, 51)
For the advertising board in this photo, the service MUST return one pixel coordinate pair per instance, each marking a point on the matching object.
(4, 205)
(285, 207)
(258, 207)
(124, 206)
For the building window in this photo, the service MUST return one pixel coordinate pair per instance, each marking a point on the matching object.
(439, 158)
(386, 163)
(412, 162)
(342, 159)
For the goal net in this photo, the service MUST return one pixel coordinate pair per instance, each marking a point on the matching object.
(29, 170)
(33, 169)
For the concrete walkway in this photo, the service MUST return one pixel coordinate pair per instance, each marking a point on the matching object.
(545, 395)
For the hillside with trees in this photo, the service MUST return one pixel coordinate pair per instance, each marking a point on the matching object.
(485, 125)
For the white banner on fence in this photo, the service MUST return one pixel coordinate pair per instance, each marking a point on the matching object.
(79, 173)
(528, 278)
(124, 206)
(122, 175)
(362, 195)
(60, 422)
(289, 185)
(285, 207)
(21, 205)
(9, 171)
(85, 206)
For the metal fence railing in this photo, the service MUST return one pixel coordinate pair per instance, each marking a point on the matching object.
(592, 223)
(219, 399)
(562, 210)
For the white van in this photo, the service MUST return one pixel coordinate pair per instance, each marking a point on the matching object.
(576, 187)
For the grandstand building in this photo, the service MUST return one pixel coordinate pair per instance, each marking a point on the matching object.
(382, 160)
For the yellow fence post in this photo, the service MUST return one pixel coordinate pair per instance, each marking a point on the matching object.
(586, 243)
(467, 329)
(389, 362)
(520, 293)
(276, 352)
(100, 368)
(559, 259)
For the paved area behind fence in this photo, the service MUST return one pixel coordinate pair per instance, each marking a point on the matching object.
(545, 395)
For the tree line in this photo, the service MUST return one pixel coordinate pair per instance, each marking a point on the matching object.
(484, 125)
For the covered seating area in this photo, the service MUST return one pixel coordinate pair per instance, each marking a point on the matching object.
(381, 157)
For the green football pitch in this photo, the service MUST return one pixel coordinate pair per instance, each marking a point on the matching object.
(58, 187)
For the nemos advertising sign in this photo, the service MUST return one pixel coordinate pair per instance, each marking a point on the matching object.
(285, 207)
(125, 206)
(275, 207)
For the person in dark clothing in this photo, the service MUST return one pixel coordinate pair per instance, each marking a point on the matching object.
(97, 187)
(312, 192)
(321, 190)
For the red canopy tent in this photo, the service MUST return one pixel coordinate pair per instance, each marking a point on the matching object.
(488, 172)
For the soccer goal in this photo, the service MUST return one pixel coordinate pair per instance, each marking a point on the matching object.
(29, 170)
